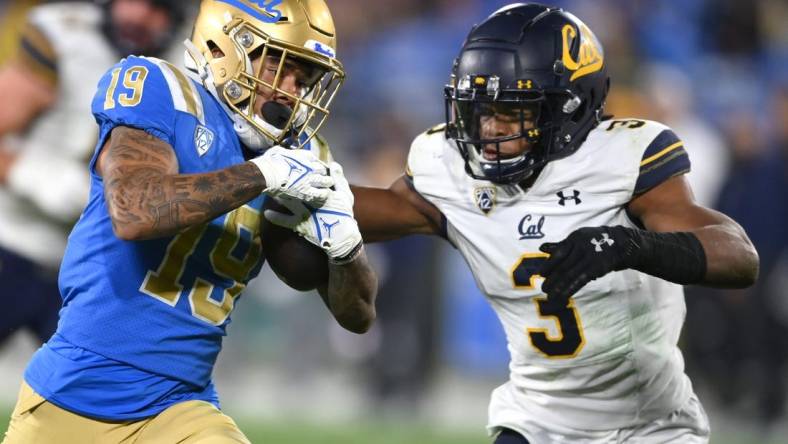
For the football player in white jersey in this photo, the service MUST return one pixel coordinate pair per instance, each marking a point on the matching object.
(580, 230)
(47, 135)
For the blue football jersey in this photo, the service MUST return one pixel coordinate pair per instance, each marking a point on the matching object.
(158, 307)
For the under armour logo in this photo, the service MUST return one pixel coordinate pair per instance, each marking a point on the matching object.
(524, 84)
(563, 198)
(598, 243)
(328, 226)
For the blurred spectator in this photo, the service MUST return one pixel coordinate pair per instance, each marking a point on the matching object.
(670, 100)
(740, 338)
(47, 136)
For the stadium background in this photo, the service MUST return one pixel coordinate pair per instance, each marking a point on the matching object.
(714, 70)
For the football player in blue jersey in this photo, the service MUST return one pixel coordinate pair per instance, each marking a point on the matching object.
(577, 228)
(171, 233)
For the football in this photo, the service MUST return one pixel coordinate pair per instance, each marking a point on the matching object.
(298, 263)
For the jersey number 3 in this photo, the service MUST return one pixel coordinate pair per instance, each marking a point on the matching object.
(570, 339)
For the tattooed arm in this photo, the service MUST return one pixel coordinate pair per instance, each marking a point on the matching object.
(148, 199)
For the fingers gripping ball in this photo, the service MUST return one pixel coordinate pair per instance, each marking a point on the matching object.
(298, 263)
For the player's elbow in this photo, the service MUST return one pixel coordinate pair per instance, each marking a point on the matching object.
(129, 232)
(748, 269)
(126, 233)
(358, 321)
(738, 270)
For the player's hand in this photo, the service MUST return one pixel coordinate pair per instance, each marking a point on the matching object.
(330, 226)
(586, 254)
(294, 174)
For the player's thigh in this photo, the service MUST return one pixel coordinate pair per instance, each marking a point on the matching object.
(35, 420)
(510, 437)
(192, 422)
(688, 425)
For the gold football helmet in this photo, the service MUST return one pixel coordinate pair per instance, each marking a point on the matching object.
(229, 35)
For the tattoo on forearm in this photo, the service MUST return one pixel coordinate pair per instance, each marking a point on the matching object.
(142, 188)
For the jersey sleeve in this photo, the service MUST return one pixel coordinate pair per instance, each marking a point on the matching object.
(664, 158)
(135, 93)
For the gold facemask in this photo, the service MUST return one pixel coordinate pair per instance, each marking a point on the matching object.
(231, 34)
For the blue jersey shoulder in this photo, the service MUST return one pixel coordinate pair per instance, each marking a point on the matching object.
(136, 93)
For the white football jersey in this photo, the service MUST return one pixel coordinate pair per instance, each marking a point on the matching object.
(609, 359)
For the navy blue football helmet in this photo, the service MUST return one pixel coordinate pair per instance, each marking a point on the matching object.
(533, 62)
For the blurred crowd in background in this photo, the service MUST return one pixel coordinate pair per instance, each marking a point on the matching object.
(716, 71)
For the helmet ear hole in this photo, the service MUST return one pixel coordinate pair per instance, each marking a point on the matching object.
(216, 52)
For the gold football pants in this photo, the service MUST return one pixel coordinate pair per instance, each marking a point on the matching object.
(36, 420)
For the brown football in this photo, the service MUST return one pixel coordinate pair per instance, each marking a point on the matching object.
(298, 263)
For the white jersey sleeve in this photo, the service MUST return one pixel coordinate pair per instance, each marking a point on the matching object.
(608, 358)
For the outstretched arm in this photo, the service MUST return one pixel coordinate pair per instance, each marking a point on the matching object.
(146, 196)
(382, 214)
(386, 214)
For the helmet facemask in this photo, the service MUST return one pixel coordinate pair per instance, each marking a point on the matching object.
(528, 56)
(294, 123)
(525, 113)
(230, 42)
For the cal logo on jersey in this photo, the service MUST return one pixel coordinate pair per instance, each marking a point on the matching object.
(485, 198)
(203, 139)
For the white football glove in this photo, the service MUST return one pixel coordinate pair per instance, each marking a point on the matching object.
(330, 226)
(294, 174)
